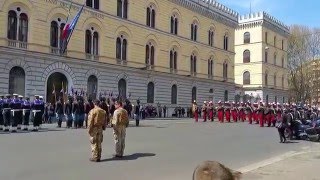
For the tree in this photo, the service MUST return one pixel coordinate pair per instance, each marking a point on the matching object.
(303, 47)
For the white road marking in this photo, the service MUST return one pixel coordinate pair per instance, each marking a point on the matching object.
(305, 150)
(267, 162)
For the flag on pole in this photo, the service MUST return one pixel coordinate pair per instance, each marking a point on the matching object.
(62, 88)
(68, 30)
(54, 89)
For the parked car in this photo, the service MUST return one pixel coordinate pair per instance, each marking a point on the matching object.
(297, 130)
(314, 131)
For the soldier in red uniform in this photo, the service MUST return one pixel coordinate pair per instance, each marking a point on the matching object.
(234, 112)
(227, 111)
(195, 110)
(241, 112)
(261, 114)
(211, 111)
(267, 114)
(204, 111)
(249, 111)
(273, 114)
(255, 113)
(220, 110)
(279, 112)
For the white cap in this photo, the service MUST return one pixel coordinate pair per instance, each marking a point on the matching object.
(20, 96)
(15, 95)
(41, 97)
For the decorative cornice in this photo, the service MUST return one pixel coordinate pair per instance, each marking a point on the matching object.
(212, 10)
(263, 18)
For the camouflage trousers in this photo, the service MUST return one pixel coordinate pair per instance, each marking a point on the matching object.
(96, 141)
(119, 134)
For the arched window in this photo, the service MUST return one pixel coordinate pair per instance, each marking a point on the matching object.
(211, 37)
(194, 94)
(23, 28)
(121, 48)
(92, 42)
(275, 80)
(17, 26)
(150, 92)
(151, 16)
(225, 71)
(122, 88)
(266, 78)
(12, 25)
(266, 56)
(282, 61)
(174, 25)
(92, 87)
(246, 56)
(282, 44)
(210, 67)
(92, 3)
(275, 41)
(246, 78)
(225, 42)
(174, 94)
(150, 53)
(275, 59)
(56, 34)
(122, 8)
(173, 60)
(194, 31)
(246, 38)
(193, 64)
(17, 81)
(226, 94)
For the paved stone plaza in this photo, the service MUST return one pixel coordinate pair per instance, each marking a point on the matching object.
(159, 150)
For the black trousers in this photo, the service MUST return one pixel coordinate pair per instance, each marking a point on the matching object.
(7, 118)
(26, 118)
(37, 119)
(1, 119)
(281, 134)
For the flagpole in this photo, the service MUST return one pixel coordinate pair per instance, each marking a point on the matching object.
(66, 44)
(55, 96)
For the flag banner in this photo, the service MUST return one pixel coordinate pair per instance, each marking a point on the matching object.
(68, 30)
(54, 89)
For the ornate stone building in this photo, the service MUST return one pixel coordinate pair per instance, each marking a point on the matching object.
(261, 58)
(166, 51)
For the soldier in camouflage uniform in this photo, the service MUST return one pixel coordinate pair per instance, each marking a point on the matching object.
(120, 121)
(96, 125)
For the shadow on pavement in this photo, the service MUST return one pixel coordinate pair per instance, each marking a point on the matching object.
(291, 142)
(134, 156)
(30, 131)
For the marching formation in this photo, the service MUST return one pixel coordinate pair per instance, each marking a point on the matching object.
(17, 112)
(264, 114)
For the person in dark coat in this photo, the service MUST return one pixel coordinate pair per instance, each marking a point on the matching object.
(281, 125)
(137, 113)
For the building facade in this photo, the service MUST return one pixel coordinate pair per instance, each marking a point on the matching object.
(261, 58)
(159, 51)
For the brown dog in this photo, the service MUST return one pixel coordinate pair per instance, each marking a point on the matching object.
(212, 170)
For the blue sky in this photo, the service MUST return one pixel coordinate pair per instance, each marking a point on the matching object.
(305, 12)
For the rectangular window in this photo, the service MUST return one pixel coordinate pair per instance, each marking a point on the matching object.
(266, 37)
